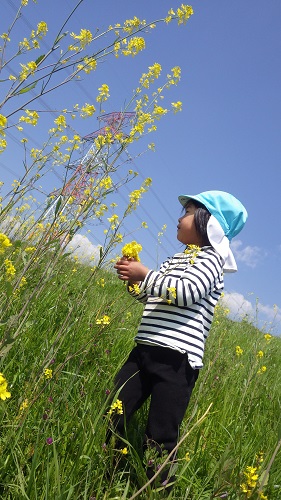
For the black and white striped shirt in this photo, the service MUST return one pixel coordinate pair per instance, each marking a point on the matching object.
(180, 300)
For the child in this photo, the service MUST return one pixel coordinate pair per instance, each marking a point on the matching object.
(179, 306)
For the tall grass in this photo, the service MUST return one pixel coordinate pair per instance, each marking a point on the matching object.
(60, 371)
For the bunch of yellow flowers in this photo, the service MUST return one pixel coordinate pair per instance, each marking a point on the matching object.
(131, 250)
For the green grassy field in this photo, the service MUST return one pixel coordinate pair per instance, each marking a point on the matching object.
(66, 330)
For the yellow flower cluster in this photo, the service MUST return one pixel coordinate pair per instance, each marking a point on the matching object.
(134, 46)
(105, 320)
(48, 372)
(131, 250)
(132, 24)
(251, 481)
(172, 290)
(182, 14)
(27, 69)
(4, 394)
(89, 64)
(134, 288)
(177, 106)
(31, 118)
(103, 93)
(87, 110)
(85, 38)
(10, 269)
(261, 370)
(4, 243)
(238, 350)
(192, 251)
(116, 407)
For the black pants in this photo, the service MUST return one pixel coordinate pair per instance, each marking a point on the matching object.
(166, 376)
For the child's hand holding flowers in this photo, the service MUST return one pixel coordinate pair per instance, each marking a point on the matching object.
(129, 267)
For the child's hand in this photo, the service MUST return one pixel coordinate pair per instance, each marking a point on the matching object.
(131, 270)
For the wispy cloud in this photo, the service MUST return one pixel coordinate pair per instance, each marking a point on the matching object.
(249, 255)
(263, 316)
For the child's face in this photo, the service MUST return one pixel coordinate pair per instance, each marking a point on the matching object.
(187, 233)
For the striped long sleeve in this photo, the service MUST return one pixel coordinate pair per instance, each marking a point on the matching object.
(180, 300)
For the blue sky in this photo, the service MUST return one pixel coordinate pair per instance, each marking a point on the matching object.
(227, 137)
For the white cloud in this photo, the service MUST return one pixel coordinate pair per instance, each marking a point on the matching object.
(267, 318)
(249, 255)
(81, 247)
(239, 306)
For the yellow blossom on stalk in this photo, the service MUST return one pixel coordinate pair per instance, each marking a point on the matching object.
(85, 38)
(48, 372)
(60, 121)
(116, 407)
(3, 145)
(262, 370)
(134, 288)
(10, 269)
(24, 3)
(159, 111)
(24, 405)
(124, 451)
(238, 351)
(114, 221)
(27, 69)
(87, 110)
(42, 29)
(134, 46)
(5, 37)
(172, 291)
(192, 251)
(260, 354)
(31, 118)
(101, 282)
(105, 320)
(187, 456)
(131, 250)
(4, 394)
(131, 24)
(267, 337)
(103, 93)
(144, 224)
(183, 13)
(177, 106)
(3, 121)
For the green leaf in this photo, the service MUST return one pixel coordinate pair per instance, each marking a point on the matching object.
(26, 89)
(39, 59)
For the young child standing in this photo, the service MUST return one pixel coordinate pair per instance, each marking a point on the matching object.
(179, 301)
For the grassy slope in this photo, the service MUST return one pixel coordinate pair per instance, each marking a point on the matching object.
(60, 333)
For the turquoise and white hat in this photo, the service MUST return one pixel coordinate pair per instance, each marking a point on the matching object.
(228, 217)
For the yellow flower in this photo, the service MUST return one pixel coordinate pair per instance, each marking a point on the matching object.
(48, 372)
(4, 394)
(4, 243)
(238, 350)
(124, 451)
(10, 269)
(135, 288)
(105, 320)
(131, 250)
(42, 29)
(24, 405)
(85, 38)
(87, 110)
(177, 106)
(60, 121)
(116, 407)
(3, 121)
(260, 354)
(172, 291)
(134, 46)
(268, 337)
(103, 93)
(261, 370)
